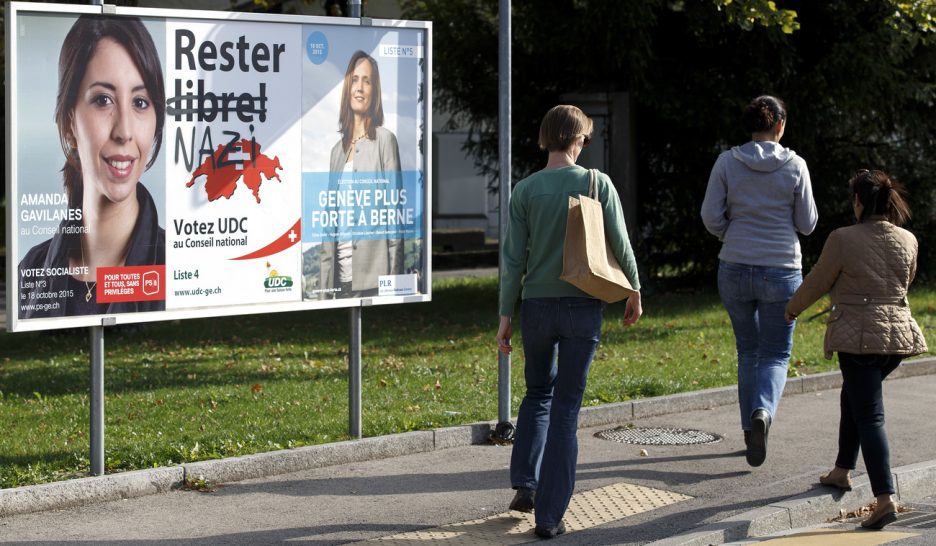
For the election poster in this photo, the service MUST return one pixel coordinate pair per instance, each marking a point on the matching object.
(362, 140)
(168, 164)
(234, 163)
(91, 191)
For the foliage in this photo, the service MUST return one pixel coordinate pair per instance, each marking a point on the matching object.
(200, 484)
(858, 79)
(918, 16)
(748, 13)
(186, 391)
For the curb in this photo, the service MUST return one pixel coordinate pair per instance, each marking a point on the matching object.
(123, 485)
(80, 491)
(814, 507)
(272, 463)
(723, 396)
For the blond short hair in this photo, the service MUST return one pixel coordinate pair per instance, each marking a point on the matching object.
(560, 127)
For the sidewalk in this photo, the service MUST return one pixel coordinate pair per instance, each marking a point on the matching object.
(341, 493)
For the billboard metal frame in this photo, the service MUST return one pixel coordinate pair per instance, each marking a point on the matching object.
(15, 324)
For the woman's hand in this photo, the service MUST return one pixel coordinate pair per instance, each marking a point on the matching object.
(790, 317)
(632, 309)
(504, 331)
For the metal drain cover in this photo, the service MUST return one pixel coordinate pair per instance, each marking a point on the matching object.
(658, 436)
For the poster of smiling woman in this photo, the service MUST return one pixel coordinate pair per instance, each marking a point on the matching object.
(363, 146)
(91, 97)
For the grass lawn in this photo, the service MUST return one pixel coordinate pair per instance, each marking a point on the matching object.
(201, 389)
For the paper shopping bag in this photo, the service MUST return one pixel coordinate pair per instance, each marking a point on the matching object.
(587, 260)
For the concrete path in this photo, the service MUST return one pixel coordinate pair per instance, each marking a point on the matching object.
(435, 481)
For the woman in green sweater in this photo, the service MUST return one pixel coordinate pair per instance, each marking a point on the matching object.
(560, 325)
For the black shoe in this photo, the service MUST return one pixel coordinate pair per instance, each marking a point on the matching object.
(747, 442)
(523, 501)
(549, 532)
(757, 446)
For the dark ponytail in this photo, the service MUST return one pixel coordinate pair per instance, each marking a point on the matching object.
(763, 113)
(879, 195)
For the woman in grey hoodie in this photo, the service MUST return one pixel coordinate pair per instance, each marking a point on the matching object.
(758, 197)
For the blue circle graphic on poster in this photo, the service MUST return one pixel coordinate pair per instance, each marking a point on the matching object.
(317, 47)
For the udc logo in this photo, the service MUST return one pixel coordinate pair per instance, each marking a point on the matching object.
(278, 282)
(274, 282)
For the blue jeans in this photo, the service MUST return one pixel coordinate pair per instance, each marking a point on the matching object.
(755, 298)
(862, 420)
(560, 336)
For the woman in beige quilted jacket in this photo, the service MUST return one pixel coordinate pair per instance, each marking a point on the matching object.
(866, 269)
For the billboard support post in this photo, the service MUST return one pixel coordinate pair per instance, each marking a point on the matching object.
(354, 375)
(96, 338)
(97, 400)
(354, 349)
(504, 429)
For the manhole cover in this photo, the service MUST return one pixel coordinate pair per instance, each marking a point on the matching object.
(658, 436)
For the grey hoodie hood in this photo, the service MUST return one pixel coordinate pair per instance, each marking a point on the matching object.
(758, 197)
(763, 156)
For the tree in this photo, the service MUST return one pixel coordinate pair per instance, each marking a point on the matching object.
(858, 78)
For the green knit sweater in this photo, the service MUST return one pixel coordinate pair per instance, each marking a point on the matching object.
(531, 256)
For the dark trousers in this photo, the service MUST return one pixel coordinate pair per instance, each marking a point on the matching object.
(560, 337)
(862, 420)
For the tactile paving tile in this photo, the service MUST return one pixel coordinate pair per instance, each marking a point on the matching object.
(586, 509)
(613, 502)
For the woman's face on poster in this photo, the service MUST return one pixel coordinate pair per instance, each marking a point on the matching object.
(113, 123)
(361, 87)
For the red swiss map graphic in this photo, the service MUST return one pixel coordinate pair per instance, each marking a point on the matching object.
(237, 163)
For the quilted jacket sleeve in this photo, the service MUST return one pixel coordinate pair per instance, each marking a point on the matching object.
(820, 278)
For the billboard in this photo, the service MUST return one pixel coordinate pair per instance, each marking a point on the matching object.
(191, 164)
